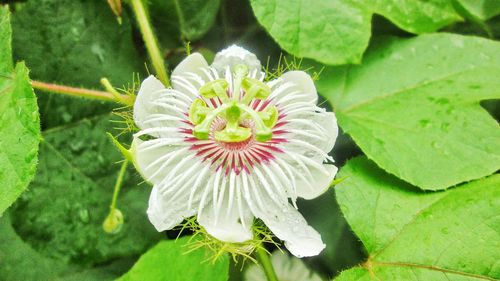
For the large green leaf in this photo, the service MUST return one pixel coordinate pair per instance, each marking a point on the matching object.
(21, 262)
(413, 107)
(338, 31)
(417, 236)
(19, 122)
(61, 215)
(173, 260)
(74, 42)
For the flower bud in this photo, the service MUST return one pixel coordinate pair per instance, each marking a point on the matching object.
(113, 222)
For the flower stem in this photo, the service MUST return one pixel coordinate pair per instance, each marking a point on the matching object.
(150, 40)
(118, 184)
(266, 264)
(80, 92)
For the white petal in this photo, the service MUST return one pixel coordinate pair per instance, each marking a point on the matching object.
(151, 90)
(225, 221)
(194, 63)
(164, 212)
(312, 135)
(312, 189)
(234, 55)
(285, 222)
(192, 73)
(154, 158)
(328, 122)
(298, 82)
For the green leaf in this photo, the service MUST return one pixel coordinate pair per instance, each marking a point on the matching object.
(413, 107)
(481, 9)
(19, 122)
(21, 262)
(74, 42)
(61, 216)
(174, 260)
(190, 19)
(410, 235)
(338, 31)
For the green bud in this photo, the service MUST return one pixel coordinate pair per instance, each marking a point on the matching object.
(113, 222)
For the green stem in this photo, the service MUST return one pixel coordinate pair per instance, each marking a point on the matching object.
(266, 264)
(81, 92)
(118, 185)
(150, 40)
(119, 97)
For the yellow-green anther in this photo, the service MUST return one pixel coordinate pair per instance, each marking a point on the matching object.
(254, 89)
(202, 130)
(262, 132)
(216, 88)
(198, 111)
(269, 116)
(240, 71)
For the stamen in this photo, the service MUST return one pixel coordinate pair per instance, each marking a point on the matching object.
(235, 109)
(216, 88)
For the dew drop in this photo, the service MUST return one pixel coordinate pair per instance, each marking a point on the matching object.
(442, 101)
(425, 123)
(97, 50)
(445, 127)
(84, 215)
(436, 144)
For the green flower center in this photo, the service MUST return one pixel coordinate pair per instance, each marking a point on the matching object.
(234, 110)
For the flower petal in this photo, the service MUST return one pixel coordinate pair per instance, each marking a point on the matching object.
(312, 189)
(191, 64)
(312, 134)
(176, 195)
(151, 90)
(165, 213)
(227, 218)
(234, 55)
(283, 220)
(154, 159)
(293, 87)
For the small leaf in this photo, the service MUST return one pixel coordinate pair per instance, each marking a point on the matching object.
(338, 31)
(19, 122)
(413, 107)
(411, 235)
(173, 260)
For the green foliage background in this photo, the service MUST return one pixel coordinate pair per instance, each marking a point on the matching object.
(422, 109)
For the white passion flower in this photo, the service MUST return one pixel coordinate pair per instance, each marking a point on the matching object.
(225, 146)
